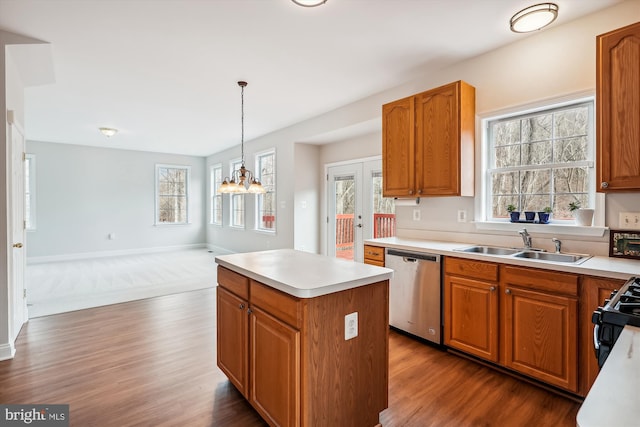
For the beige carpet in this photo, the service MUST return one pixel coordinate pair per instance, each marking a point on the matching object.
(59, 287)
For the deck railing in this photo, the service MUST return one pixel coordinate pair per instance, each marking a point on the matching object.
(384, 225)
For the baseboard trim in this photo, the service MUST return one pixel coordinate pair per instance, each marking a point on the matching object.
(102, 254)
(217, 250)
(7, 351)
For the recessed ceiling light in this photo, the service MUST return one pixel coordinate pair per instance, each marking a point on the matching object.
(534, 17)
(108, 132)
(309, 3)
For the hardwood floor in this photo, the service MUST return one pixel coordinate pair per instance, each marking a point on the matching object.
(152, 363)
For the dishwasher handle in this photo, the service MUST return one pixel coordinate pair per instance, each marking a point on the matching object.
(413, 256)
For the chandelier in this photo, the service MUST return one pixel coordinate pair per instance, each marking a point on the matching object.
(242, 180)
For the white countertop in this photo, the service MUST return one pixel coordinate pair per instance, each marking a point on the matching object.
(601, 266)
(614, 398)
(303, 274)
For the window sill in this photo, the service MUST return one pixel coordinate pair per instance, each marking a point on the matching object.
(551, 228)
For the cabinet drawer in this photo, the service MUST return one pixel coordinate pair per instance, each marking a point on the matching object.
(234, 282)
(542, 280)
(473, 269)
(374, 253)
(278, 304)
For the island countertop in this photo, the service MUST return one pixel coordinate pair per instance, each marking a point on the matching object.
(303, 274)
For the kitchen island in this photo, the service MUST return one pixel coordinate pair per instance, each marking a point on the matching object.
(304, 337)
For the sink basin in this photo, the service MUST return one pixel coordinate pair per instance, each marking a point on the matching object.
(554, 257)
(489, 250)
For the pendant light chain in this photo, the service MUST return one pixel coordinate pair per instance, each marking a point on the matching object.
(242, 85)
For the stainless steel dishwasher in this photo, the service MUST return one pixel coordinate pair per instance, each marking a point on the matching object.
(414, 293)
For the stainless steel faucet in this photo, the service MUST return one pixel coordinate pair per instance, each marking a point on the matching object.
(526, 238)
(558, 244)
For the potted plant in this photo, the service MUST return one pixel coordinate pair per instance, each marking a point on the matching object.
(513, 213)
(544, 215)
(582, 216)
(529, 215)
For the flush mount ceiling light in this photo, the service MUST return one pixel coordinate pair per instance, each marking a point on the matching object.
(534, 17)
(108, 132)
(242, 177)
(309, 3)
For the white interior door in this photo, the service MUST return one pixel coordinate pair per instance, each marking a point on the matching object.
(17, 291)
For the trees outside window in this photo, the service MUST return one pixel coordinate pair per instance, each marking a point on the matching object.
(172, 189)
(541, 159)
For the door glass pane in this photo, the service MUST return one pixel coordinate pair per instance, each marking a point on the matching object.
(384, 210)
(345, 192)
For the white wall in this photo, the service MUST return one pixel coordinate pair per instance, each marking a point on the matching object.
(307, 196)
(84, 193)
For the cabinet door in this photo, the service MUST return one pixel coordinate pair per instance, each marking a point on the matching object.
(232, 338)
(398, 148)
(618, 109)
(594, 290)
(445, 139)
(471, 316)
(540, 336)
(275, 369)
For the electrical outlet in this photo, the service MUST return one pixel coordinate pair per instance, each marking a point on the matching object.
(462, 216)
(416, 214)
(350, 326)
(629, 221)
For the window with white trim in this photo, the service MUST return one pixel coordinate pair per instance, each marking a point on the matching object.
(30, 192)
(237, 201)
(216, 198)
(266, 203)
(172, 194)
(541, 159)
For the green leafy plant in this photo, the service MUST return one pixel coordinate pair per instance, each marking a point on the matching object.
(574, 205)
(511, 208)
(547, 210)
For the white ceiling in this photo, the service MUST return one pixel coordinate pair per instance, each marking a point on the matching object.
(164, 72)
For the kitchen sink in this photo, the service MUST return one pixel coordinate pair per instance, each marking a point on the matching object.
(489, 250)
(554, 257)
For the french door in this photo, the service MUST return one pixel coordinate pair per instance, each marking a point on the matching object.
(356, 208)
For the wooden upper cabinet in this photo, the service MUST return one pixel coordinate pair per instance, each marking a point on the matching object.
(428, 143)
(398, 148)
(618, 109)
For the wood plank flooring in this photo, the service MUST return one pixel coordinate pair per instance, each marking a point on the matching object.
(152, 363)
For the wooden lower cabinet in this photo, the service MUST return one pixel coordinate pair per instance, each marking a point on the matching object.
(593, 292)
(288, 356)
(524, 319)
(275, 369)
(232, 345)
(471, 307)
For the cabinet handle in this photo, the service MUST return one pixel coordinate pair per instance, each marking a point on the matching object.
(604, 184)
(249, 311)
(420, 191)
(241, 306)
(410, 191)
(508, 292)
(492, 289)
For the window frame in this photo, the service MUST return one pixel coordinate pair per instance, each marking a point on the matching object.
(233, 165)
(260, 197)
(215, 195)
(159, 166)
(483, 204)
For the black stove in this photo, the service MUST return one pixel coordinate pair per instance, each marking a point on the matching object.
(622, 308)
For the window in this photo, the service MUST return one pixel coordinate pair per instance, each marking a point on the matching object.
(216, 198)
(541, 159)
(237, 202)
(172, 190)
(30, 192)
(266, 203)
